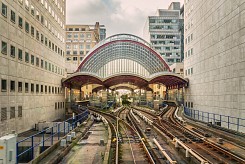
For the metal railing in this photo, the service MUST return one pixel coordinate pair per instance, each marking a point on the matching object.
(48, 135)
(229, 122)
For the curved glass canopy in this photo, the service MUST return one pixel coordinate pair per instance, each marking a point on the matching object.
(123, 58)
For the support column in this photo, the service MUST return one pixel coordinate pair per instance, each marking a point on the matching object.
(80, 93)
(166, 97)
(104, 96)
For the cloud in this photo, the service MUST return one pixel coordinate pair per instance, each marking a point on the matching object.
(119, 16)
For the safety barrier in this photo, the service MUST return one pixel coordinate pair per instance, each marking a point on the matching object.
(48, 135)
(229, 122)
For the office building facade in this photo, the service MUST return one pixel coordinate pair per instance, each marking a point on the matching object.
(80, 39)
(32, 63)
(215, 61)
(163, 32)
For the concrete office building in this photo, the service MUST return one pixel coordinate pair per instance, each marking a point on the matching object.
(215, 61)
(80, 39)
(163, 32)
(32, 63)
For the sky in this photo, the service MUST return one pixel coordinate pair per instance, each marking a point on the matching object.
(119, 16)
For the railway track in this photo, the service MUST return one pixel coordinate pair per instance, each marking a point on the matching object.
(125, 137)
(205, 150)
(133, 141)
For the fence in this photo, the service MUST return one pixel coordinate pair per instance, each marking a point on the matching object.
(47, 137)
(228, 122)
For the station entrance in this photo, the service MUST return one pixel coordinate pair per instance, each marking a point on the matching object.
(123, 63)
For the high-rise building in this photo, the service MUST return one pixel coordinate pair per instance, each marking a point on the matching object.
(163, 32)
(32, 63)
(80, 39)
(215, 61)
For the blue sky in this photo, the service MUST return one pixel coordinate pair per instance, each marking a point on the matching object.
(119, 16)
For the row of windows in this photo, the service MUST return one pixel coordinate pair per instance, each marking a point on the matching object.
(30, 58)
(75, 46)
(165, 42)
(74, 58)
(165, 36)
(164, 27)
(189, 104)
(76, 52)
(59, 105)
(82, 35)
(161, 48)
(47, 7)
(189, 71)
(189, 53)
(189, 39)
(36, 33)
(77, 29)
(24, 86)
(12, 113)
(163, 20)
(169, 54)
(189, 25)
(20, 23)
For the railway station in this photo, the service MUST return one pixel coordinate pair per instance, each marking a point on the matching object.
(124, 61)
(70, 94)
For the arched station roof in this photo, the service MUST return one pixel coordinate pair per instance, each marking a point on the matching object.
(123, 58)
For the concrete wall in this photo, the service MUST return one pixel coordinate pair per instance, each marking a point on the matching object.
(36, 106)
(216, 66)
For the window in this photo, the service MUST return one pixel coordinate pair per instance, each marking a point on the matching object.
(4, 85)
(42, 19)
(3, 114)
(37, 88)
(81, 52)
(32, 10)
(20, 22)
(37, 15)
(46, 65)
(12, 112)
(75, 35)
(37, 35)
(46, 41)
(4, 10)
(88, 46)
(12, 86)
(42, 38)
(49, 89)
(19, 111)
(37, 61)
(46, 89)
(32, 59)
(27, 27)
(68, 52)
(41, 88)
(32, 87)
(74, 58)
(27, 4)
(4, 49)
(88, 35)
(26, 87)
(19, 86)
(19, 54)
(32, 31)
(27, 57)
(41, 63)
(74, 52)
(13, 16)
(12, 51)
